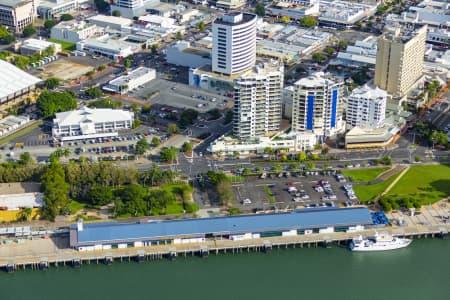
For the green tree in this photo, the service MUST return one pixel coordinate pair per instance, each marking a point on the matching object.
(188, 117)
(187, 147)
(116, 13)
(101, 5)
(387, 160)
(48, 24)
(156, 141)
(228, 117)
(21, 61)
(342, 45)
(29, 30)
(155, 47)
(127, 63)
(101, 67)
(173, 128)
(319, 57)
(56, 190)
(52, 83)
(302, 156)
(94, 92)
(329, 51)
(25, 158)
(260, 10)
(66, 17)
(168, 154)
(179, 36)
(142, 146)
(310, 166)
(101, 195)
(50, 103)
(201, 26)
(285, 19)
(308, 21)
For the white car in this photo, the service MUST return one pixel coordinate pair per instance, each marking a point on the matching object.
(246, 201)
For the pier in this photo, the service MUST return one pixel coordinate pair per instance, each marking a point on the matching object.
(43, 258)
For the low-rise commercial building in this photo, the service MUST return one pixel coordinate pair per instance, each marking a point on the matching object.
(16, 14)
(101, 236)
(74, 31)
(361, 53)
(366, 138)
(32, 46)
(230, 4)
(183, 54)
(110, 22)
(115, 49)
(133, 8)
(11, 123)
(53, 9)
(131, 81)
(295, 10)
(343, 14)
(86, 123)
(15, 85)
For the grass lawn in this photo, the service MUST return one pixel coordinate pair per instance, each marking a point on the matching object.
(364, 175)
(269, 194)
(367, 193)
(66, 46)
(426, 184)
(20, 132)
(75, 206)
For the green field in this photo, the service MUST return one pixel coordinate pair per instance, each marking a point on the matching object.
(66, 46)
(364, 175)
(370, 192)
(423, 184)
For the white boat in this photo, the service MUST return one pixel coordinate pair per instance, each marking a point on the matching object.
(379, 242)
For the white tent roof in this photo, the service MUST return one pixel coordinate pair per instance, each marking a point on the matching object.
(13, 79)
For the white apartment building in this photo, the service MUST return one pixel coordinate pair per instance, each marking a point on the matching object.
(366, 107)
(258, 101)
(132, 80)
(234, 43)
(400, 57)
(87, 123)
(74, 31)
(16, 14)
(317, 106)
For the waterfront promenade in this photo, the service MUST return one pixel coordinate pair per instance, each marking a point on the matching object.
(42, 253)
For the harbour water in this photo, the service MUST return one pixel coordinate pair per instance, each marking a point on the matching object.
(421, 271)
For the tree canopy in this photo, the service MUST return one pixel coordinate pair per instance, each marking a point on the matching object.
(50, 103)
(260, 10)
(116, 13)
(142, 146)
(29, 30)
(52, 83)
(94, 92)
(168, 154)
(49, 24)
(66, 17)
(173, 128)
(56, 190)
(308, 21)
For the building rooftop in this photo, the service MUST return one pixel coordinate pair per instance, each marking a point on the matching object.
(111, 19)
(37, 44)
(13, 3)
(318, 79)
(307, 218)
(132, 75)
(368, 135)
(369, 92)
(13, 79)
(235, 19)
(402, 34)
(18, 201)
(88, 115)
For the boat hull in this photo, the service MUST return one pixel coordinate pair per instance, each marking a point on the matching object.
(384, 247)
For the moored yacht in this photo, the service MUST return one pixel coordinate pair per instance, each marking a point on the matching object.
(379, 242)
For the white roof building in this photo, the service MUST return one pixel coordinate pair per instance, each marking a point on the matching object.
(366, 107)
(343, 13)
(88, 123)
(132, 80)
(362, 53)
(112, 22)
(19, 201)
(37, 46)
(14, 82)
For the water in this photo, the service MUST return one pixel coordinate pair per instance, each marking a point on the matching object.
(421, 271)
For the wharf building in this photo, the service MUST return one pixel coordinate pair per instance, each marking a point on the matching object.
(317, 106)
(234, 46)
(400, 59)
(366, 107)
(87, 123)
(103, 236)
(16, 14)
(257, 101)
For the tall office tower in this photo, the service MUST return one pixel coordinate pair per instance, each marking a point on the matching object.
(234, 43)
(399, 63)
(258, 101)
(317, 106)
(366, 107)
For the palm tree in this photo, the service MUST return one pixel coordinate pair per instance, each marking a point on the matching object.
(66, 152)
